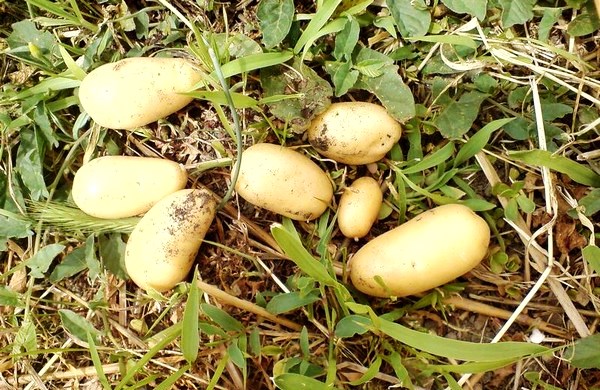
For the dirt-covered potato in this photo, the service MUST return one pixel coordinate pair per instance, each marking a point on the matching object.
(136, 91)
(124, 186)
(431, 249)
(354, 132)
(359, 206)
(284, 181)
(161, 249)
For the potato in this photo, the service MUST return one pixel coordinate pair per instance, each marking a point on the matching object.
(136, 91)
(431, 249)
(354, 133)
(359, 207)
(124, 186)
(161, 249)
(284, 181)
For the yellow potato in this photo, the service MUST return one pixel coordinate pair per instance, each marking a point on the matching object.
(284, 181)
(431, 249)
(161, 249)
(359, 207)
(136, 91)
(354, 133)
(124, 186)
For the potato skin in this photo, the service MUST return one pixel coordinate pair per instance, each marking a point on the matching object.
(354, 133)
(136, 91)
(359, 206)
(431, 249)
(124, 186)
(284, 181)
(161, 249)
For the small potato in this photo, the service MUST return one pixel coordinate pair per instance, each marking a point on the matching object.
(284, 181)
(124, 186)
(354, 133)
(359, 207)
(431, 249)
(136, 91)
(161, 249)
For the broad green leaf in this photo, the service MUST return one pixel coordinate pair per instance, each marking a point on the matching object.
(591, 254)
(346, 40)
(77, 325)
(40, 117)
(389, 87)
(72, 264)
(253, 62)
(352, 325)
(316, 23)
(518, 129)
(190, 333)
(458, 117)
(475, 8)
(91, 261)
(431, 160)
(236, 355)
(585, 352)
(552, 111)
(550, 17)
(112, 254)
(478, 141)
(591, 202)
(9, 297)
(13, 227)
(292, 247)
(516, 12)
(275, 18)
(583, 24)
(283, 303)
(40, 262)
(344, 78)
(371, 67)
(221, 318)
(315, 93)
(29, 163)
(411, 16)
(457, 40)
(574, 170)
(291, 381)
(25, 32)
(459, 350)
(26, 338)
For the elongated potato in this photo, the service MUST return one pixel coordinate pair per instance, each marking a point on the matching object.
(136, 91)
(359, 207)
(284, 181)
(354, 132)
(431, 249)
(161, 249)
(124, 186)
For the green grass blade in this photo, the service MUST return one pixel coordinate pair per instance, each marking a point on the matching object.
(449, 39)
(432, 160)
(291, 381)
(318, 21)
(97, 363)
(472, 367)
(292, 247)
(219, 98)
(168, 383)
(169, 335)
(190, 333)
(253, 62)
(459, 350)
(574, 170)
(478, 141)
